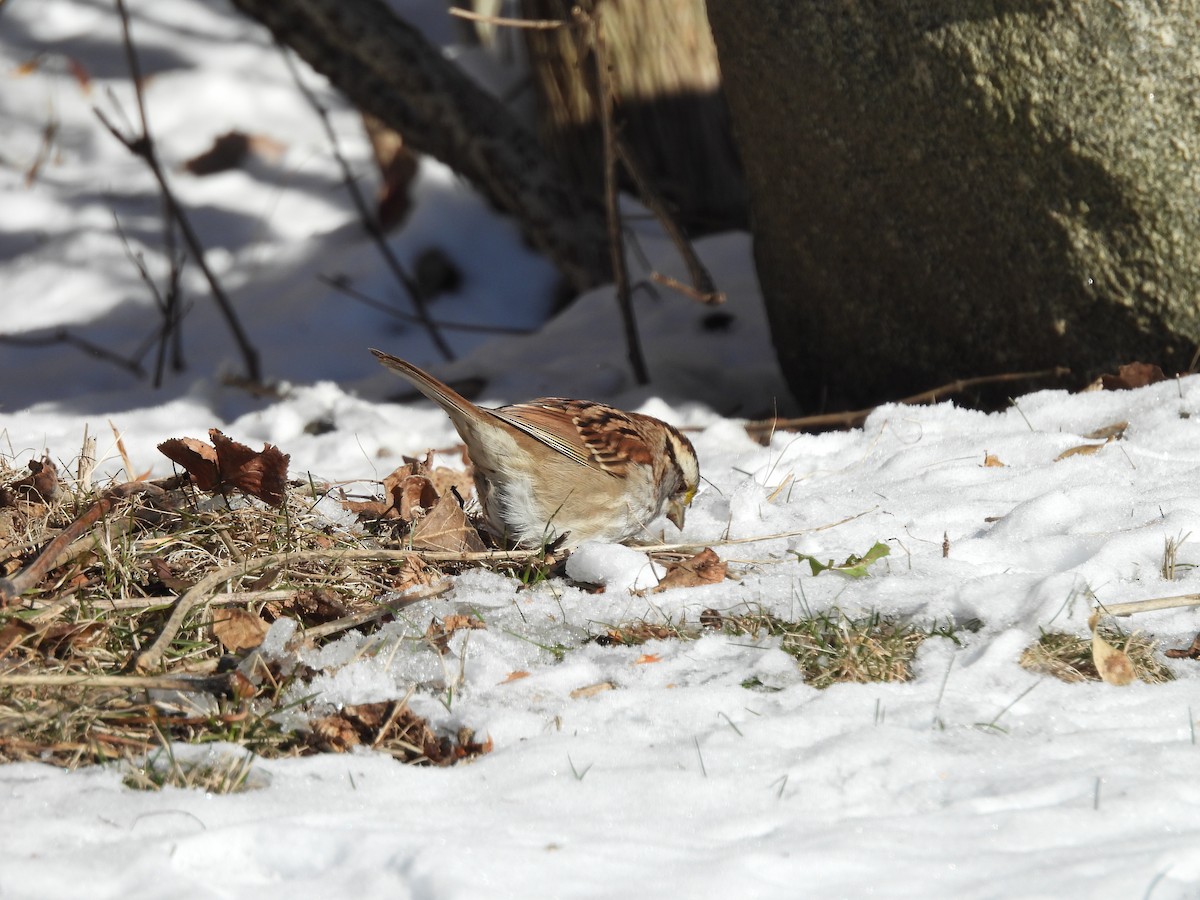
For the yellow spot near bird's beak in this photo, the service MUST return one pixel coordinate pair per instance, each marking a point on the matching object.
(677, 508)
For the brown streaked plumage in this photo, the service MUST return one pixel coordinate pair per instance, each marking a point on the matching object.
(555, 466)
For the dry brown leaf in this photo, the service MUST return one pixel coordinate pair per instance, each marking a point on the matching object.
(1114, 665)
(40, 484)
(390, 726)
(65, 637)
(592, 690)
(166, 575)
(1192, 652)
(410, 573)
(369, 509)
(228, 151)
(228, 464)
(1133, 375)
(514, 676)
(197, 458)
(446, 480)
(712, 619)
(15, 632)
(439, 631)
(238, 629)
(1081, 450)
(312, 607)
(1113, 432)
(81, 75)
(397, 168)
(446, 528)
(647, 658)
(334, 734)
(703, 568)
(413, 497)
(991, 461)
(637, 633)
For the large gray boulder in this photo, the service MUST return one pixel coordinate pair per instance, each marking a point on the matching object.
(943, 188)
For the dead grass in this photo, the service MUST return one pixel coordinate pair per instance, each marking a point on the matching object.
(68, 641)
(1068, 657)
(829, 647)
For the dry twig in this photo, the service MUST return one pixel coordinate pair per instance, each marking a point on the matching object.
(852, 419)
(64, 547)
(605, 99)
(366, 218)
(200, 594)
(142, 146)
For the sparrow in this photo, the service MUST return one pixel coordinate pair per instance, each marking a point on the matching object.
(553, 467)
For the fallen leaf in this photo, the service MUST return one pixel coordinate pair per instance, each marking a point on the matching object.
(1113, 432)
(81, 75)
(65, 637)
(397, 168)
(13, 633)
(514, 676)
(40, 484)
(228, 464)
(370, 509)
(636, 633)
(1114, 665)
(333, 734)
(991, 461)
(227, 152)
(703, 568)
(410, 573)
(442, 480)
(312, 607)
(647, 658)
(711, 619)
(238, 629)
(166, 575)
(197, 458)
(440, 630)
(1081, 450)
(1192, 652)
(592, 690)
(389, 725)
(1133, 375)
(414, 496)
(446, 528)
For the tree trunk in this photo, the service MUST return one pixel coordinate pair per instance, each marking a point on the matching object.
(671, 111)
(386, 68)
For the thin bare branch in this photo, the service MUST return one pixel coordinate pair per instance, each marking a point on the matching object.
(142, 146)
(212, 684)
(367, 218)
(64, 547)
(705, 290)
(853, 419)
(62, 336)
(411, 596)
(402, 316)
(604, 104)
(532, 24)
(201, 593)
(1155, 603)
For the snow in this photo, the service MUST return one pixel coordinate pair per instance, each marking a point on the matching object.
(616, 771)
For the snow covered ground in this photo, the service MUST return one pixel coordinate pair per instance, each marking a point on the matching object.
(975, 779)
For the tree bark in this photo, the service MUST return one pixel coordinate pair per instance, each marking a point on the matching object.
(386, 68)
(671, 111)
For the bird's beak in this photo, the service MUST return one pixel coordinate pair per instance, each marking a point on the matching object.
(675, 512)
